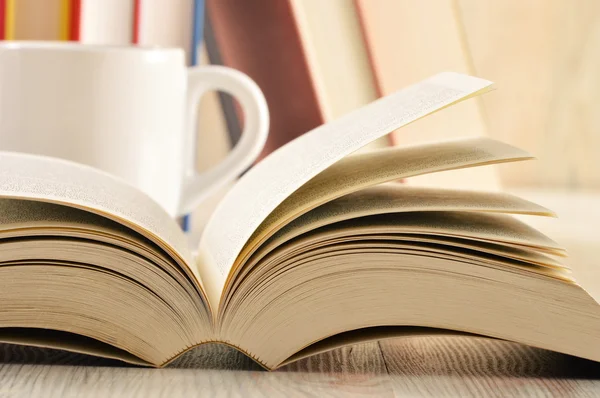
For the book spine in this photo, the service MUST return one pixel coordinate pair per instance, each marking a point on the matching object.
(261, 39)
(2, 19)
(65, 19)
(104, 21)
(331, 37)
(135, 31)
(36, 20)
(9, 19)
(197, 31)
(75, 21)
(166, 23)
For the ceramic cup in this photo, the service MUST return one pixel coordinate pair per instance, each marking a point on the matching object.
(130, 111)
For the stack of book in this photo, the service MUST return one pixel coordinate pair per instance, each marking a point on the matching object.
(335, 56)
(338, 55)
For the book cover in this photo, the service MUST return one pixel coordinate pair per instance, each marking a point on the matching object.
(408, 40)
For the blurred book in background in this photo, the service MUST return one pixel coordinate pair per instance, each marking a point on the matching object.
(316, 60)
(337, 58)
(35, 20)
(310, 48)
(106, 22)
(165, 23)
(3, 20)
(407, 41)
(261, 39)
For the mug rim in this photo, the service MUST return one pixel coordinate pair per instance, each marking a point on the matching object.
(81, 47)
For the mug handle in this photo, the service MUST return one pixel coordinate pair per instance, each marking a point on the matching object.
(197, 186)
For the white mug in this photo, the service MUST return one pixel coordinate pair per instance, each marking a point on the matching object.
(130, 111)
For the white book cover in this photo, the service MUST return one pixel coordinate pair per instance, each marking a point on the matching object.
(166, 23)
(107, 21)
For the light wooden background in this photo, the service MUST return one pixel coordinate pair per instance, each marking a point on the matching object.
(439, 365)
(544, 56)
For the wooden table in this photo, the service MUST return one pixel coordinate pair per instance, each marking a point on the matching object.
(432, 366)
(436, 365)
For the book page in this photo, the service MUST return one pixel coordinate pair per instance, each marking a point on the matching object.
(356, 172)
(266, 185)
(45, 179)
(399, 198)
(488, 227)
(576, 229)
(359, 171)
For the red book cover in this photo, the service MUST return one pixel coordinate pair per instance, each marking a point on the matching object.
(2, 19)
(75, 20)
(261, 39)
(135, 35)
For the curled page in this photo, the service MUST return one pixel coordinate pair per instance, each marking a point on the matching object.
(271, 181)
(46, 179)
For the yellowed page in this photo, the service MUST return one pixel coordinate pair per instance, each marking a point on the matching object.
(360, 171)
(329, 240)
(46, 179)
(26, 219)
(576, 228)
(341, 283)
(399, 198)
(264, 187)
(489, 227)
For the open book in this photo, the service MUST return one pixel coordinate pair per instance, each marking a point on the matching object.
(313, 248)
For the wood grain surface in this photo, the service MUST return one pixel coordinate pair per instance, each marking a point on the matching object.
(436, 365)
